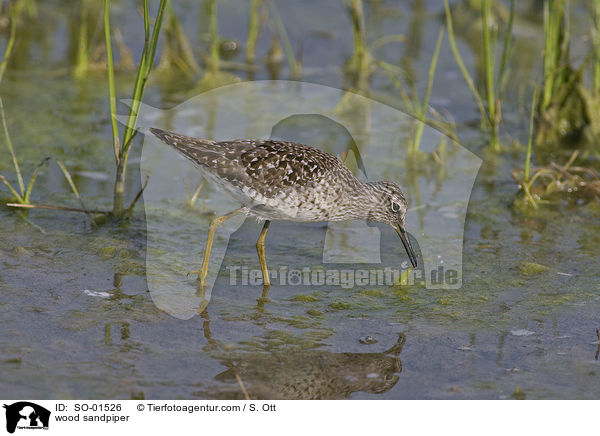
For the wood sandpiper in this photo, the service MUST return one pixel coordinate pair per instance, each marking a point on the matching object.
(277, 180)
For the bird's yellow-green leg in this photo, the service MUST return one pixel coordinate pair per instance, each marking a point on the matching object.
(212, 228)
(260, 248)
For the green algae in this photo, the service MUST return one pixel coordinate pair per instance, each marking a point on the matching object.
(340, 305)
(532, 268)
(304, 298)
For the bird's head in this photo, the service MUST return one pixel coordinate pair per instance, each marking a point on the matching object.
(392, 210)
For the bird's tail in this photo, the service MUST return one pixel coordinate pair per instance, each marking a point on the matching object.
(180, 141)
(195, 149)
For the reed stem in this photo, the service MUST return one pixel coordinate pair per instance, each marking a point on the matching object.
(596, 41)
(530, 138)
(14, 12)
(488, 57)
(144, 68)
(283, 36)
(253, 28)
(506, 51)
(82, 62)
(425, 104)
(213, 66)
(111, 82)
(461, 64)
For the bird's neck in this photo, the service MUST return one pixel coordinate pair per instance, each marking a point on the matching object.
(357, 203)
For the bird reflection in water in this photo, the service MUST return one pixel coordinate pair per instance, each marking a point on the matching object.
(307, 374)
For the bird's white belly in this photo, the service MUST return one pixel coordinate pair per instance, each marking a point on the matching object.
(285, 206)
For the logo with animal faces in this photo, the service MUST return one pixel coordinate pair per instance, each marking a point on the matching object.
(25, 415)
(371, 138)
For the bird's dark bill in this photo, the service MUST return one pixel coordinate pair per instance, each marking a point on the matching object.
(407, 246)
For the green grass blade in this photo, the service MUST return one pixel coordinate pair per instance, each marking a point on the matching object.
(11, 150)
(253, 29)
(530, 138)
(213, 24)
(431, 76)
(389, 70)
(553, 32)
(506, 51)
(461, 64)
(191, 199)
(14, 12)
(155, 34)
(283, 36)
(146, 63)
(111, 83)
(146, 22)
(33, 179)
(596, 41)
(82, 63)
(69, 179)
(488, 62)
(432, 69)
(196, 194)
(129, 210)
(144, 68)
(11, 189)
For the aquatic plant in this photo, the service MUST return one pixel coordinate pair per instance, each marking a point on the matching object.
(556, 50)
(294, 64)
(123, 147)
(575, 180)
(425, 104)
(539, 183)
(177, 52)
(525, 183)
(191, 198)
(568, 109)
(360, 64)
(212, 66)
(82, 62)
(14, 11)
(491, 113)
(253, 30)
(214, 75)
(530, 137)
(20, 193)
(417, 108)
(596, 48)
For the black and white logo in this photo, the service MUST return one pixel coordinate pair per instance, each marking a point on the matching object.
(26, 415)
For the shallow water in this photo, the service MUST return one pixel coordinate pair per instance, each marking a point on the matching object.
(81, 319)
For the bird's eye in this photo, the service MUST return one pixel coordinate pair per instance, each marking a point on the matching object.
(395, 206)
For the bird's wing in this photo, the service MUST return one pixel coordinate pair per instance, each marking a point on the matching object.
(260, 173)
(272, 166)
(284, 166)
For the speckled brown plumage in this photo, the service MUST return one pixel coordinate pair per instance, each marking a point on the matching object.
(277, 180)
